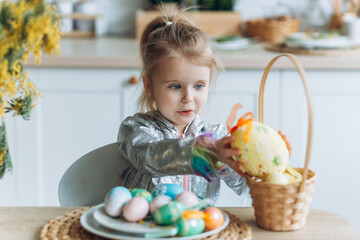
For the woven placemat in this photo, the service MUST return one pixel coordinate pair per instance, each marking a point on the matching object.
(68, 227)
(316, 52)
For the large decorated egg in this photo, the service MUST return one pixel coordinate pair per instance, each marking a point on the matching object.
(115, 200)
(263, 150)
(168, 189)
(139, 192)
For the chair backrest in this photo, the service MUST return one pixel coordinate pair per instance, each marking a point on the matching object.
(86, 181)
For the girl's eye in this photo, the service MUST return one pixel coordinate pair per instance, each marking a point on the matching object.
(199, 86)
(175, 86)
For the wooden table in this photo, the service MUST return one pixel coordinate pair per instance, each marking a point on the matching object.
(25, 223)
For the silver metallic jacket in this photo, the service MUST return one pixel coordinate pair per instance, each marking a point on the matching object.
(153, 154)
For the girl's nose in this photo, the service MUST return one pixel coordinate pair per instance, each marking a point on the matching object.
(187, 96)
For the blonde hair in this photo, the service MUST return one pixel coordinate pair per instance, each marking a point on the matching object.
(172, 36)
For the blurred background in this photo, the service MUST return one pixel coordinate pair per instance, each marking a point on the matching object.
(93, 86)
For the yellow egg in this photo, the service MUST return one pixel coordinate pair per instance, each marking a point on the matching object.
(277, 178)
(263, 151)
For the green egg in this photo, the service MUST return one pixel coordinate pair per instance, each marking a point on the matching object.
(169, 213)
(189, 227)
(139, 192)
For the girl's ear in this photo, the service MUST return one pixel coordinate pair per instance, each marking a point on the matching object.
(147, 84)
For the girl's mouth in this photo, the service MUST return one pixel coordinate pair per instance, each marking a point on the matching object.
(186, 112)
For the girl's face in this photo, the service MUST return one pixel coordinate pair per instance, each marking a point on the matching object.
(180, 89)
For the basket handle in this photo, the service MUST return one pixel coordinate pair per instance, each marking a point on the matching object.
(301, 71)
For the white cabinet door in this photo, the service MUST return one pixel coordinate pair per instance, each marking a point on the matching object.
(80, 111)
(130, 95)
(241, 86)
(335, 153)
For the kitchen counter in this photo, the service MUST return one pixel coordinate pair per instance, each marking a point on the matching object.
(25, 223)
(123, 53)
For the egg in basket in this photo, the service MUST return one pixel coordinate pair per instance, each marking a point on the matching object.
(264, 152)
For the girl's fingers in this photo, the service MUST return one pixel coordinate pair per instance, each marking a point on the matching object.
(229, 152)
(235, 152)
(225, 141)
(236, 166)
(226, 152)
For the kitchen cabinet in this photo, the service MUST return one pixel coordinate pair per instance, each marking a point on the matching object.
(81, 109)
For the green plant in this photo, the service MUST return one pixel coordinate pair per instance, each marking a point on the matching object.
(156, 2)
(25, 26)
(216, 5)
(205, 5)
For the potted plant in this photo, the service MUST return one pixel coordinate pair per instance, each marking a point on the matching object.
(25, 26)
(216, 5)
(203, 5)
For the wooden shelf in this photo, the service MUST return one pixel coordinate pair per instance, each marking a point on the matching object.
(81, 16)
(213, 23)
(79, 34)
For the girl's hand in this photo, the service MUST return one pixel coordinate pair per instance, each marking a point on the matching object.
(226, 153)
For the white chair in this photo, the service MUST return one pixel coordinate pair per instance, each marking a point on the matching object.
(86, 181)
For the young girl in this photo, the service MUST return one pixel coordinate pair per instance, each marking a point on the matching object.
(168, 144)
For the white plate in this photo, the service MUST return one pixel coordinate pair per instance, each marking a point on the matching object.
(88, 222)
(232, 44)
(335, 42)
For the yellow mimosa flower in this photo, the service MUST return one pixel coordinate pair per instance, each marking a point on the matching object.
(27, 26)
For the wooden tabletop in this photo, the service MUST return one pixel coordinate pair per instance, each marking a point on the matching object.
(25, 223)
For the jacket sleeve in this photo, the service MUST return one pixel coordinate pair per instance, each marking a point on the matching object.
(148, 153)
(232, 179)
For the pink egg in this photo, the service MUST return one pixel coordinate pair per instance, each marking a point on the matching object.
(187, 198)
(158, 202)
(136, 209)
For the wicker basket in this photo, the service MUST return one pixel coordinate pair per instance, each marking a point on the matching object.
(272, 29)
(284, 207)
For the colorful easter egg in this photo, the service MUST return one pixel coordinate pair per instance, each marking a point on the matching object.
(136, 209)
(115, 200)
(139, 192)
(169, 189)
(169, 213)
(263, 150)
(277, 178)
(187, 198)
(214, 218)
(158, 202)
(189, 227)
